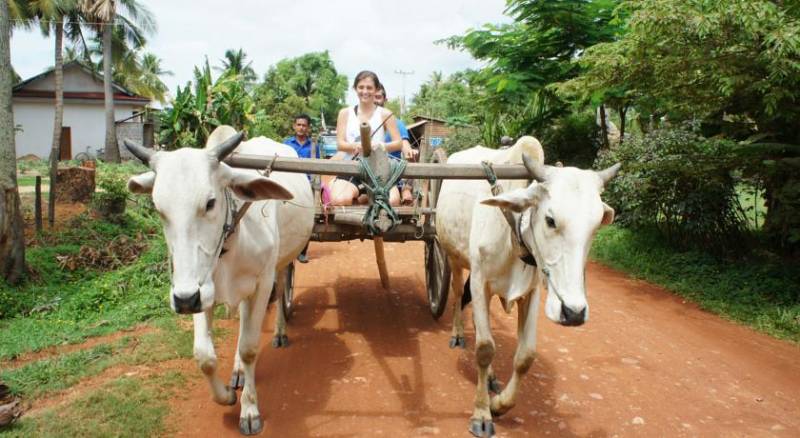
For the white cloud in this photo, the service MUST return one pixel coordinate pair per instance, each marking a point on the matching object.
(380, 36)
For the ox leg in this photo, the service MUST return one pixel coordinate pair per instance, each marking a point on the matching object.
(527, 313)
(280, 339)
(251, 316)
(207, 358)
(481, 422)
(457, 288)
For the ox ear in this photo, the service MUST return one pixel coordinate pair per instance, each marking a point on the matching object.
(516, 200)
(142, 184)
(249, 187)
(608, 215)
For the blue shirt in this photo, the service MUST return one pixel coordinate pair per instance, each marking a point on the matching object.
(303, 150)
(403, 135)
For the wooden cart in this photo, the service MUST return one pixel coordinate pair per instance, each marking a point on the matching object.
(416, 222)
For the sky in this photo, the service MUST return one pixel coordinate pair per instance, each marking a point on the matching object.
(360, 35)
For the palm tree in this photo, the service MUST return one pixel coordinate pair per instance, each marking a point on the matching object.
(234, 62)
(12, 238)
(149, 82)
(107, 14)
(55, 16)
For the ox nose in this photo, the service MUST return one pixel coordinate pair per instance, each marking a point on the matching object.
(570, 317)
(187, 305)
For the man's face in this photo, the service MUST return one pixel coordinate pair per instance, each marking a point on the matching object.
(301, 127)
(380, 98)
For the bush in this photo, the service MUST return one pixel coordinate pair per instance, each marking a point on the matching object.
(682, 184)
(573, 139)
(462, 137)
(110, 200)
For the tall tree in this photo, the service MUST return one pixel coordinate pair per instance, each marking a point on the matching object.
(235, 61)
(534, 51)
(53, 16)
(135, 20)
(312, 77)
(12, 238)
(736, 68)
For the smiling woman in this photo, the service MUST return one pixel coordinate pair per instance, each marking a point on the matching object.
(348, 136)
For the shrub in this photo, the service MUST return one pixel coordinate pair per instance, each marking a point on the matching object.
(462, 137)
(573, 139)
(682, 184)
(109, 201)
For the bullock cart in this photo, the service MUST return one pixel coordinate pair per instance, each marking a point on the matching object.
(372, 221)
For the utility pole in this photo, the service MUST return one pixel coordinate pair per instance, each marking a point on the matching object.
(403, 74)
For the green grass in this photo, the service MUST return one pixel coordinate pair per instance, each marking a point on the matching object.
(30, 181)
(126, 407)
(758, 289)
(56, 306)
(44, 377)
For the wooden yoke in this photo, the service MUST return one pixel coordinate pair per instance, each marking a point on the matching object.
(378, 161)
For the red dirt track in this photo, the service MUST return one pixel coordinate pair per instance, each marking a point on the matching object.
(367, 362)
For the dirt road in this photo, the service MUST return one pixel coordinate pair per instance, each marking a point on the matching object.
(369, 362)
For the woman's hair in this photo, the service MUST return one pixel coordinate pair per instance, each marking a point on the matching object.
(366, 74)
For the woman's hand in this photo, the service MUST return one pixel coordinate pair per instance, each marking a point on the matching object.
(408, 152)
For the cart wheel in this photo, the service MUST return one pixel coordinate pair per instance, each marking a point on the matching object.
(288, 292)
(437, 277)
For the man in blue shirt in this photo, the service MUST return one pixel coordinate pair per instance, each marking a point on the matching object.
(301, 142)
(406, 151)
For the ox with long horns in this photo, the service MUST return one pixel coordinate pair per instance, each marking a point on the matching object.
(554, 218)
(216, 260)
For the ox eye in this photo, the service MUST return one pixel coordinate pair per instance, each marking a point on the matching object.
(210, 204)
(550, 221)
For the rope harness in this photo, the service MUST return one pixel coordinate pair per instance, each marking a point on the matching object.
(378, 191)
(520, 248)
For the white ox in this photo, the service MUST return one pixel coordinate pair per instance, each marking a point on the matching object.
(557, 215)
(196, 196)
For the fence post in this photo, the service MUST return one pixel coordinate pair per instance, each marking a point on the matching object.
(38, 203)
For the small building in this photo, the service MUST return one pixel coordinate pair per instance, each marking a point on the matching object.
(83, 127)
(428, 131)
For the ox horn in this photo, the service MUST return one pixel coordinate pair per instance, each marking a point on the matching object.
(222, 150)
(535, 168)
(609, 173)
(142, 153)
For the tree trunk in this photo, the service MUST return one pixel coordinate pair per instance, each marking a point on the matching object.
(623, 110)
(12, 238)
(603, 127)
(55, 149)
(112, 152)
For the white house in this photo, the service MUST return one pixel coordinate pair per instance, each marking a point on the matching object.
(84, 112)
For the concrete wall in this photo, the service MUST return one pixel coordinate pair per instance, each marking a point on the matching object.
(86, 120)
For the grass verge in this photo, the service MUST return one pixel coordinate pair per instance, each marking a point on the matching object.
(126, 407)
(44, 377)
(758, 289)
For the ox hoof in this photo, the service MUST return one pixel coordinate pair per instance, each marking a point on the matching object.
(458, 341)
(481, 428)
(237, 380)
(280, 341)
(494, 385)
(250, 425)
(231, 397)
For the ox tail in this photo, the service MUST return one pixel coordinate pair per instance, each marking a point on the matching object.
(466, 298)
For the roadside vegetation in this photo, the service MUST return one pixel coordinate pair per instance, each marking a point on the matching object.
(758, 288)
(89, 331)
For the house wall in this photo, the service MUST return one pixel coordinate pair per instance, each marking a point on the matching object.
(85, 118)
(75, 80)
